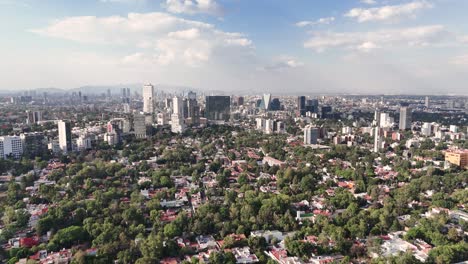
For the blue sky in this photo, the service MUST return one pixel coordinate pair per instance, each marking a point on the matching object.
(301, 46)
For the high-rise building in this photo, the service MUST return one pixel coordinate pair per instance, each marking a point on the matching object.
(240, 100)
(311, 135)
(161, 119)
(376, 121)
(426, 129)
(65, 136)
(269, 126)
(312, 106)
(218, 108)
(193, 110)
(139, 126)
(84, 142)
(386, 120)
(301, 105)
(34, 144)
(275, 105)
(377, 139)
(148, 99)
(266, 100)
(405, 118)
(11, 146)
(33, 117)
(177, 125)
(426, 102)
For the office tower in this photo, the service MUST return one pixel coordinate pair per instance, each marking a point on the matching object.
(426, 103)
(265, 104)
(177, 120)
(148, 99)
(301, 105)
(11, 146)
(109, 94)
(240, 100)
(193, 110)
(275, 105)
(139, 126)
(44, 97)
(65, 138)
(311, 135)
(34, 144)
(312, 106)
(325, 110)
(218, 108)
(405, 118)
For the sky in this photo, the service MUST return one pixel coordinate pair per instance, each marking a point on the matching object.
(277, 46)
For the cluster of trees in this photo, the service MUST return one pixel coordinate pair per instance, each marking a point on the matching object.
(98, 203)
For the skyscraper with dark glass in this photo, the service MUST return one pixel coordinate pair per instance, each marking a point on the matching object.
(218, 108)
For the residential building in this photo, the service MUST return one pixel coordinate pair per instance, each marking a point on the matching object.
(405, 118)
(65, 136)
(311, 135)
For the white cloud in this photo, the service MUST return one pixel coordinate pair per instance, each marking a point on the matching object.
(369, 2)
(192, 7)
(324, 21)
(161, 37)
(282, 63)
(389, 12)
(413, 36)
(367, 46)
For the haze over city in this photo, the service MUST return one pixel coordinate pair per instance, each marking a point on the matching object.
(367, 46)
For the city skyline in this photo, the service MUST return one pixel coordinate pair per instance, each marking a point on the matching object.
(374, 47)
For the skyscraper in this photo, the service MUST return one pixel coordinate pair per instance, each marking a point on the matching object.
(177, 118)
(405, 118)
(65, 140)
(139, 126)
(426, 102)
(218, 108)
(311, 135)
(148, 98)
(266, 100)
(275, 105)
(301, 105)
(193, 109)
(377, 139)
